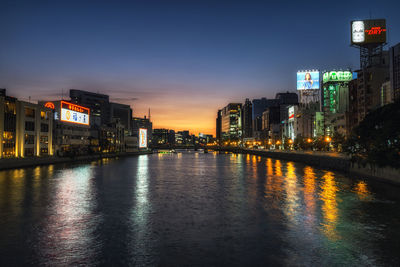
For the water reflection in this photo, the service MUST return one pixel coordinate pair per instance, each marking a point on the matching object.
(191, 209)
(140, 227)
(309, 195)
(329, 206)
(361, 189)
(292, 193)
(67, 236)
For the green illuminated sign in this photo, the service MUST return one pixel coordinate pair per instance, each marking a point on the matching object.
(337, 76)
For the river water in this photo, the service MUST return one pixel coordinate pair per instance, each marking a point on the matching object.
(194, 209)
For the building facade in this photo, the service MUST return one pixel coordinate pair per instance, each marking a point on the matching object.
(25, 128)
(231, 122)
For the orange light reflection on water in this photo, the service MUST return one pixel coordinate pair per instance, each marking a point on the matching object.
(329, 206)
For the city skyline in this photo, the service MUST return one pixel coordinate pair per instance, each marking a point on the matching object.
(181, 60)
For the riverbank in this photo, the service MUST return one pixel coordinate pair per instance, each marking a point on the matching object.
(329, 160)
(16, 163)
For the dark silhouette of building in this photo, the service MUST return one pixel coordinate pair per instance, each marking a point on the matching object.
(258, 107)
(247, 119)
(218, 125)
(395, 71)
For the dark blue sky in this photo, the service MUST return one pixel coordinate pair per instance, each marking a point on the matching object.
(183, 59)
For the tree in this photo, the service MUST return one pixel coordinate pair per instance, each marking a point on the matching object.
(376, 139)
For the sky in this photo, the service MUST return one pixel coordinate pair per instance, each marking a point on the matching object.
(182, 59)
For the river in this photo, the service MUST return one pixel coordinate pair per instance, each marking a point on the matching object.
(195, 209)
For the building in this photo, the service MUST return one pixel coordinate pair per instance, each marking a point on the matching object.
(271, 123)
(231, 122)
(387, 94)
(123, 113)
(335, 101)
(369, 85)
(25, 128)
(142, 123)
(247, 119)
(218, 126)
(160, 136)
(395, 71)
(258, 107)
(99, 105)
(71, 129)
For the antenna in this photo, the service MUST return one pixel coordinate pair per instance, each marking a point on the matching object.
(149, 114)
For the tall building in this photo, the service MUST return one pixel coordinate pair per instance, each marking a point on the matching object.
(247, 119)
(335, 101)
(395, 71)
(231, 122)
(218, 126)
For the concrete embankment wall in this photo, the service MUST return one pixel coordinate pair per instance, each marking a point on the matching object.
(342, 164)
(35, 161)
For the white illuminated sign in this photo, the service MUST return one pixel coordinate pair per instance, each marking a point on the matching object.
(74, 113)
(358, 32)
(142, 138)
(291, 113)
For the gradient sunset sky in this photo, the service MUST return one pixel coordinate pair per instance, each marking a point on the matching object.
(182, 59)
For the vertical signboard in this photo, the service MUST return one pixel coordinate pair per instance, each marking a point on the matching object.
(142, 138)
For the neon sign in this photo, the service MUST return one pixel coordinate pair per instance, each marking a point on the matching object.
(375, 31)
(50, 105)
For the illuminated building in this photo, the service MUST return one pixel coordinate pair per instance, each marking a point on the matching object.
(160, 136)
(26, 128)
(99, 105)
(71, 129)
(231, 122)
(395, 71)
(142, 123)
(335, 101)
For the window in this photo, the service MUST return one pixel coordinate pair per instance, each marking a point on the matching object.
(29, 112)
(29, 152)
(44, 115)
(29, 126)
(29, 139)
(44, 151)
(44, 139)
(44, 127)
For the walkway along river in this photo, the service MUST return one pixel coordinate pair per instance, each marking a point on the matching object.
(195, 209)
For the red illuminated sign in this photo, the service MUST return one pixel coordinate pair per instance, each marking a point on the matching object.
(50, 105)
(74, 107)
(375, 31)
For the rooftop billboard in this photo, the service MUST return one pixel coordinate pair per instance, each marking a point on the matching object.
(337, 76)
(371, 31)
(307, 80)
(74, 113)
